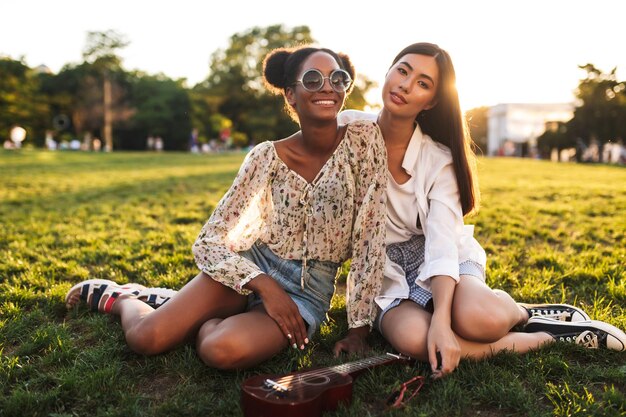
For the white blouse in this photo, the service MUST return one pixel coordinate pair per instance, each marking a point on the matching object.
(448, 241)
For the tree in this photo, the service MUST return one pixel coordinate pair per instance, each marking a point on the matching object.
(76, 93)
(555, 137)
(64, 94)
(235, 83)
(601, 115)
(100, 51)
(80, 87)
(21, 102)
(160, 107)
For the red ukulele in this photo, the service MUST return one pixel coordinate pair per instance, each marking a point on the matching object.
(308, 393)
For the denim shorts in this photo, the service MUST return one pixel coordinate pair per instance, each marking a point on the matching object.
(319, 282)
(410, 256)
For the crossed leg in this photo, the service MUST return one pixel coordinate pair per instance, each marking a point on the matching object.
(240, 341)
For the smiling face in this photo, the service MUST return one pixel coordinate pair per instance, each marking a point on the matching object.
(323, 104)
(411, 85)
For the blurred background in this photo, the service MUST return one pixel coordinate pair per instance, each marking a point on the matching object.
(537, 79)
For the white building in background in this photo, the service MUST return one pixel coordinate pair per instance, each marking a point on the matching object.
(513, 128)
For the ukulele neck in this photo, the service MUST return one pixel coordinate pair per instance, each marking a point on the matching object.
(356, 367)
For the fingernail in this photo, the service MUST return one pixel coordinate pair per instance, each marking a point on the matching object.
(306, 340)
(289, 336)
(294, 346)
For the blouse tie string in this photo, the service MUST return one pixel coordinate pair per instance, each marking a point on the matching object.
(305, 201)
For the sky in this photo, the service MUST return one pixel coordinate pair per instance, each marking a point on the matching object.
(504, 51)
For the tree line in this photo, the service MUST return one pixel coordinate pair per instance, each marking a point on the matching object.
(98, 98)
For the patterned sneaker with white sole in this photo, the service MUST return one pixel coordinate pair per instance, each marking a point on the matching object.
(589, 333)
(100, 294)
(563, 312)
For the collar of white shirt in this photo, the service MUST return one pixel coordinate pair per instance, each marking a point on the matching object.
(412, 151)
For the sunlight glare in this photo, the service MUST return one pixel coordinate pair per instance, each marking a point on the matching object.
(248, 223)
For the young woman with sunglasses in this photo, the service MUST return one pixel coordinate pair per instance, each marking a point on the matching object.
(269, 253)
(434, 300)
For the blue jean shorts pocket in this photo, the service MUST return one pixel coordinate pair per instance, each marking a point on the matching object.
(320, 279)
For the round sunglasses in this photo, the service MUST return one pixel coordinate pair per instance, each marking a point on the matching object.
(313, 80)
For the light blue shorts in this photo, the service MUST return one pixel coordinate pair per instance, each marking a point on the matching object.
(319, 283)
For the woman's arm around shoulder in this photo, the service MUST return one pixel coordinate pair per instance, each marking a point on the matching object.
(368, 233)
(367, 146)
(348, 116)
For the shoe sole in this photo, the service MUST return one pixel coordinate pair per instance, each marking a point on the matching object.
(615, 338)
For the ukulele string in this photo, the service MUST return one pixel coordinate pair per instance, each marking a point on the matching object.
(333, 373)
(301, 385)
(335, 369)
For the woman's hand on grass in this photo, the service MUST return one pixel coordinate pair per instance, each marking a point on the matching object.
(354, 342)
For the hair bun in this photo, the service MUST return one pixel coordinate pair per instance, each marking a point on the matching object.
(347, 64)
(274, 68)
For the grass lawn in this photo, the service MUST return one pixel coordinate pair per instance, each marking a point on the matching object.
(552, 232)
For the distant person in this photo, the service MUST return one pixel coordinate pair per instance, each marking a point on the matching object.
(434, 298)
(51, 144)
(158, 144)
(271, 250)
(150, 143)
(193, 141)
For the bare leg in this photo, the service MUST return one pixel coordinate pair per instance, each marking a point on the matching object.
(240, 341)
(406, 328)
(482, 314)
(150, 331)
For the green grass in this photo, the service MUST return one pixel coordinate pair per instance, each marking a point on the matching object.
(551, 231)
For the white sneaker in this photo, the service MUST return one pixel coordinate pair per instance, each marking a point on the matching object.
(589, 333)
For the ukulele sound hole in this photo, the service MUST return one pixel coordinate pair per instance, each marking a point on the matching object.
(314, 379)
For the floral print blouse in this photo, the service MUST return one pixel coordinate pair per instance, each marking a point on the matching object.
(340, 215)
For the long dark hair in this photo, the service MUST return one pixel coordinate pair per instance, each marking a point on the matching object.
(446, 124)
